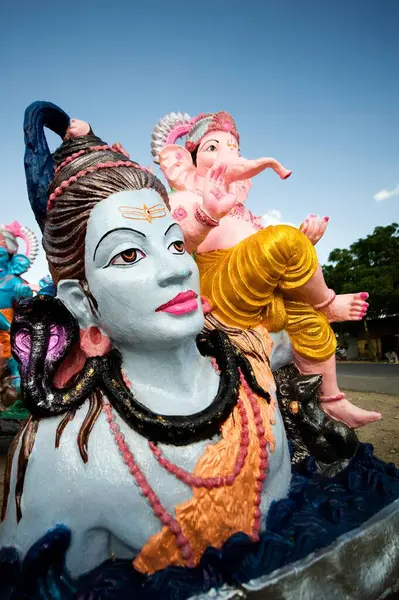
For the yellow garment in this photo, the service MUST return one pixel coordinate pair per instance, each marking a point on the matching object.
(246, 284)
(5, 346)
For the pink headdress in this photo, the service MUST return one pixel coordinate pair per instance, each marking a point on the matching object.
(204, 124)
(174, 126)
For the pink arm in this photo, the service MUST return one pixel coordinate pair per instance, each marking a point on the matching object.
(184, 206)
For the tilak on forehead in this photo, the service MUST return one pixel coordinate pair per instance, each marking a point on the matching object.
(145, 213)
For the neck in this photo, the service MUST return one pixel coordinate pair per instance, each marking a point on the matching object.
(171, 381)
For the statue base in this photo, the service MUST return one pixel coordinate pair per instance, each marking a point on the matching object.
(372, 551)
(329, 539)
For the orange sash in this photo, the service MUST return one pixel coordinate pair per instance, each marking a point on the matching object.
(212, 516)
(5, 346)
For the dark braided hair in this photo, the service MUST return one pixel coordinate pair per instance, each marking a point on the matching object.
(65, 228)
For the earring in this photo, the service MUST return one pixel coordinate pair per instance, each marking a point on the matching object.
(94, 342)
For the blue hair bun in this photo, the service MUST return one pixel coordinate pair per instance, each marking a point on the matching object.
(39, 162)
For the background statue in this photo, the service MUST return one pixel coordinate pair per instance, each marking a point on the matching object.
(8, 393)
(46, 287)
(251, 274)
(13, 288)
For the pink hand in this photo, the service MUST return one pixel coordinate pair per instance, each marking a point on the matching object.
(314, 227)
(218, 200)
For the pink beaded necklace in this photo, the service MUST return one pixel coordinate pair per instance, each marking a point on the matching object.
(166, 519)
(159, 511)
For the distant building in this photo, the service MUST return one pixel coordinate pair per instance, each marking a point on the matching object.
(382, 336)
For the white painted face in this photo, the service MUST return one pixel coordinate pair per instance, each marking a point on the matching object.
(136, 264)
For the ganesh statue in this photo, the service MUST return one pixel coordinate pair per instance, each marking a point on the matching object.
(13, 288)
(155, 463)
(253, 275)
(45, 288)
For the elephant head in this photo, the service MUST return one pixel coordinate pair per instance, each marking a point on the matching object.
(210, 139)
(12, 262)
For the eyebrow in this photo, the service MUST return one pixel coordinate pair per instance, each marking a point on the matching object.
(217, 141)
(170, 227)
(113, 231)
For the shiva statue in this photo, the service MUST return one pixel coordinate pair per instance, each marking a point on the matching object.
(161, 458)
(253, 275)
(13, 288)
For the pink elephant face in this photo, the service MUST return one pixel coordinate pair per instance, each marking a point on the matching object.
(216, 147)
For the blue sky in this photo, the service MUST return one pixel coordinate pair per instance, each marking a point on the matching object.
(313, 83)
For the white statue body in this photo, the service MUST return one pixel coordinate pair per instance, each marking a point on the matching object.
(99, 501)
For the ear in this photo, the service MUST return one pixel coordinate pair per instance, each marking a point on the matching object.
(19, 264)
(177, 166)
(70, 292)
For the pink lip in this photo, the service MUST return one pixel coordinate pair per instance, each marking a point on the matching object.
(183, 304)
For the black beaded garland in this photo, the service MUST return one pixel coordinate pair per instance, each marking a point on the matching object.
(40, 318)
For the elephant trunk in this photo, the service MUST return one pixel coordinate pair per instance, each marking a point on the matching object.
(246, 169)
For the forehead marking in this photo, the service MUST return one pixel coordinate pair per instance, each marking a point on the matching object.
(145, 213)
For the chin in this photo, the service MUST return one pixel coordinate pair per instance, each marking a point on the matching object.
(179, 327)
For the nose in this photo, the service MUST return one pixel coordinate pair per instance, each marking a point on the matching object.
(173, 275)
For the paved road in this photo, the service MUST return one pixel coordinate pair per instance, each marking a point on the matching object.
(369, 377)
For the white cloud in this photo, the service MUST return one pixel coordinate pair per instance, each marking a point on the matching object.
(386, 194)
(273, 217)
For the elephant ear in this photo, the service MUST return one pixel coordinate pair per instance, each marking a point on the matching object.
(177, 166)
(19, 264)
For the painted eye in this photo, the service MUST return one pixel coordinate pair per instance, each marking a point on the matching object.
(128, 257)
(177, 247)
(211, 148)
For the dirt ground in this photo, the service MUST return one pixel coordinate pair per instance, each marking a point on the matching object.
(384, 435)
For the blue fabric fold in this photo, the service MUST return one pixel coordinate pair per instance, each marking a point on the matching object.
(316, 512)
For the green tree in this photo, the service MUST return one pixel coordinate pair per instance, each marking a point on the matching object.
(371, 264)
